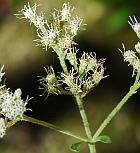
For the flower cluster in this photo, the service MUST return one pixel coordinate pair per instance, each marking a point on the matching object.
(84, 75)
(57, 33)
(11, 106)
(72, 82)
(130, 56)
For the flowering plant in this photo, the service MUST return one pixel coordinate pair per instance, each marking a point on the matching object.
(84, 73)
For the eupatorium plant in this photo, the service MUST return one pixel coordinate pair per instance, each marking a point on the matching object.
(84, 74)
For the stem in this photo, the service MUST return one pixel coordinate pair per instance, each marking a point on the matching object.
(63, 65)
(61, 55)
(85, 122)
(133, 90)
(82, 111)
(94, 149)
(53, 127)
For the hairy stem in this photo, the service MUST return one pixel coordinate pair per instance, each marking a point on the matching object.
(85, 122)
(63, 65)
(133, 90)
(61, 55)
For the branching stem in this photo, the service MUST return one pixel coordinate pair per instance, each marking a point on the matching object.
(53, 127)
(133, 90)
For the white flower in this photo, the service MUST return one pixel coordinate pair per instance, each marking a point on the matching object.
(130, 56)
(48, 37)
(11, 104)
(28, 12)
(65, 42)
(39, 22)
(72, 82)
(58, 32)
(2, 128)
(88, 84)
(88, 62)
(52, 33)
(135, 25)
(98, 75)
(74, 25)
(66, 12)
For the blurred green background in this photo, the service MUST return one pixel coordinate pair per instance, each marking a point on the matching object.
(106, 29)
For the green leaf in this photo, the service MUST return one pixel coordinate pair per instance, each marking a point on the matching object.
(76, 146)
(103, 139)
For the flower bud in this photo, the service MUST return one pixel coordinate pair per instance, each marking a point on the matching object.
(50, 82)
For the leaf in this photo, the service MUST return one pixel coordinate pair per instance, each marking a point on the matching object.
(76, 146)
(103, 139)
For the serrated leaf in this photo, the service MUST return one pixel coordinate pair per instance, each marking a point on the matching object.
(76, 146)
(103, 139)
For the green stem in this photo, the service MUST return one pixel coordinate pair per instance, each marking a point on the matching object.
(63, 65)
(53, 127)
(85, 122)
(82, 111)
(61, 55)
(133, 90)
(94, 149)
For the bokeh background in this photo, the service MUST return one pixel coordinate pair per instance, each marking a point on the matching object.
(106, 29)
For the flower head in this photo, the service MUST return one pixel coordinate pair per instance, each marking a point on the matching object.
(88, 84)
(66, 12)
(90, 80)
(58, 32)
(72, 82)
(11, 104)
(48, 37)
(50, 82)
(131, 57)
(87, 62)
(98, 75)
(29, 13)
(135, 25)
(74, 25)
